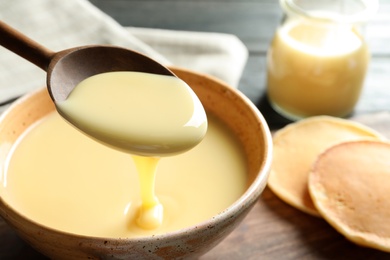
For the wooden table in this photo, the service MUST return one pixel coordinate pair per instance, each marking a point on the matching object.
(273, 229)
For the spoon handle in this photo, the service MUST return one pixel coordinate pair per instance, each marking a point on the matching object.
(25, 47)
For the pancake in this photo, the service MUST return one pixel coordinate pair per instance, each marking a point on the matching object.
(297, 146)
(350, 186)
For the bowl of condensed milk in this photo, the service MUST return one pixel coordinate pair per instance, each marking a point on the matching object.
(70, 197)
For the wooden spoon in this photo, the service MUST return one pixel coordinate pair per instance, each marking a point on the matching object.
(67, 68)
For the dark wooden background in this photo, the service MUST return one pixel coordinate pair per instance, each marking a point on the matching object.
(272, 230)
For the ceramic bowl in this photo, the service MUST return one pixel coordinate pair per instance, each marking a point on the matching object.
(227, 104)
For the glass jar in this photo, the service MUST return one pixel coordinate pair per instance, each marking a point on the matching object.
(318, 59)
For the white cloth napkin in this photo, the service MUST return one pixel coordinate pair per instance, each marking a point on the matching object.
(59, 24)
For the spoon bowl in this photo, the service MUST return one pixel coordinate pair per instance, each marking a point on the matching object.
(69, 67)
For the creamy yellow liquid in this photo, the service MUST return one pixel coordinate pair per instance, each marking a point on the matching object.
(141, 113)
(58, 177)
(315, 68)
(150, 213)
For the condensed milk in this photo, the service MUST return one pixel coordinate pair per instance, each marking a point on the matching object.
(142, 113)
(318, 59)
(139, 113)
(57, 176)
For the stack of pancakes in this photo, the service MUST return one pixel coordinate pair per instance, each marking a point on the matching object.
(339, 170)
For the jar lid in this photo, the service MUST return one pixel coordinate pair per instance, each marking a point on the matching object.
(346, 11)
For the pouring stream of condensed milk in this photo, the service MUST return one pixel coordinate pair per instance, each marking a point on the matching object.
(122, 99)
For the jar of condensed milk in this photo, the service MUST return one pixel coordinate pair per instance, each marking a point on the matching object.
(318, 58)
